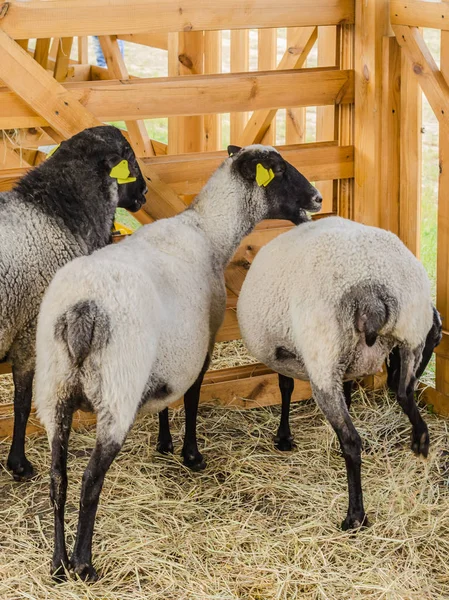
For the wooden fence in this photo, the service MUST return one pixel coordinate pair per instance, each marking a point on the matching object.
(340, 58)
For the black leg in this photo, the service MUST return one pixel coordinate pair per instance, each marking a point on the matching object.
(192, 456)
(164, 441)
(58, 489)
(284, 440)
(23, 388)
(347, 390)
(333, 405)
(93, 478)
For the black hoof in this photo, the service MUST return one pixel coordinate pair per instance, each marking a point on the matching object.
(165, 447)
(85, 571)
(22, 470)
(195, 462)
(284, 444)
(59, 571)
(355, 522)
(420, 443)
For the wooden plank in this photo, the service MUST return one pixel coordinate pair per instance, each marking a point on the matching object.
(197, 94)
(239, 64)
(212, 65)
(152, 39)
(63, 59)
(420, 13)
(83, 53)
(40, 91)
(185, 57)
(391, 104)
(371, 25)
(267, 61)
(410, 159)
(294, 57)
(345, 202)
(9, 178)
(10, 159)
(187, 174)
(423, 65)
(63, 18)
(438, 401)
(41, 51)
(442, 354)
(325, 115)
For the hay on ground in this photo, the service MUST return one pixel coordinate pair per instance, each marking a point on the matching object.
(256, 525)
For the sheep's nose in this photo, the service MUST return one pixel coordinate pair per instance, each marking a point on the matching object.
(318, 198)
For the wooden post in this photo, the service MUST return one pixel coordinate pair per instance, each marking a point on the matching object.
(41, 51)
(83, 55)
(325, 115)
(212, 64)
(267, 59)
(185, 57)
(410, 158)
(239, 64)
(63, 59)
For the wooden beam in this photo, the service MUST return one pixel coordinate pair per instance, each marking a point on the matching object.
(83, 50)
(41, 51)
(423, 65)
(63, 18)
(416, 13)
(40, 91)
(300, 44)
(267, 61)
(63, 59)
(154, 40)
(239, 64)
(410, 159)
(187, 174)
(10, 159)
(212, 65)
(197, 94)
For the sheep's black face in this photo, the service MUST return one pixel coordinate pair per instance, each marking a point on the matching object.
(288, 193)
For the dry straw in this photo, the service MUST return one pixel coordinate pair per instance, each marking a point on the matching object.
(258, 524)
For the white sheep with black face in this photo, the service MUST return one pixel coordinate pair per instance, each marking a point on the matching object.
(133, 325)
(62, 209)
(328, 302)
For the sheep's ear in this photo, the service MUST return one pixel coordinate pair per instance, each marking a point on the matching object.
(261, 169)
(233, 150)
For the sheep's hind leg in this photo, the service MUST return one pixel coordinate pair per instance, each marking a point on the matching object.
(284, 439)
(101, 459)
(164, 440)
(332, 403)
(347, 390)
(18, 463)
(58, 486)
(192, 456)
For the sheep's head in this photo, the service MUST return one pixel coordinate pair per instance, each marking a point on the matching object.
(104, 153)
(287, 193)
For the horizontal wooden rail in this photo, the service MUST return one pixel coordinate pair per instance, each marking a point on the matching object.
(188, 173)
(193, 95)
(66, 18)
(417, 13)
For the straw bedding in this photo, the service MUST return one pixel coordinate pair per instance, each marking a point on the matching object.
(256, 525)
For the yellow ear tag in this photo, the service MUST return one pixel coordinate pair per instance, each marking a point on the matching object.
(121, 173)
(263, 175)
(52, 151)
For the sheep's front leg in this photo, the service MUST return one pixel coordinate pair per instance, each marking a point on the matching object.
(333, 405)
(23, 389)
(164, 440)
(93, 478)
(192, 456)
(347, 390)
(284, 439)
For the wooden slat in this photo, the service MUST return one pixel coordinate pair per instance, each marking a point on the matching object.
(10, 159)
(345, 206)
(420, 13)
(41, 51)
(187, 174)
(410, 159)
(63, 18)
(267, 60)
(153, 39)
(325, 115)
(436, 399)
(391, 104)
(425, 68)
(239, 64)
(199, 94)
(9, 178)
(212, 65)
(294, 57)
(442, 351)
(83, 47)
(63, 59)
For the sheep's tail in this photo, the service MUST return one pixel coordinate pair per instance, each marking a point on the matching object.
(84, 328)
(374, 309)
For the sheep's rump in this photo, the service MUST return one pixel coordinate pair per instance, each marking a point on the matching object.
(31, 251)
(317, 287)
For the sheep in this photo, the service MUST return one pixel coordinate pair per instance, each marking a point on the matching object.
(62, 209)
(133, 325)
(328, 302)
